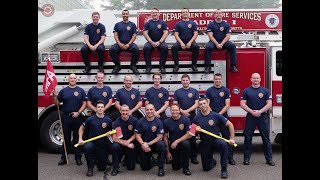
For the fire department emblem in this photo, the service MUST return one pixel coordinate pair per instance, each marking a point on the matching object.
(190, 95)
(128, 28)
(211, 122)
(181, 126)
(272, 20)
(104, 94)
(159, 26)
(160, 95)
(154, 128)
(221, 28)
(104, 125)
(189, 26)
(130, 127)
(221, 94)
(133, 96)
(98, 31)
(76, 93)
(260, 95)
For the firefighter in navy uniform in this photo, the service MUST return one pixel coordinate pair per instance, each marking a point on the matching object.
(176, 135)
(149, 133)
(256, 100)
(97, 150)
(74, 101)
(219, 100)
(126, 145)
(210, 121)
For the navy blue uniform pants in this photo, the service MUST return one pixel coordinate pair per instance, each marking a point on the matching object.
(194, 48)
(96, 152)
(130, 156)
(115, 51)
(85, 50)
(146, 163)
(228, 45)
(147, 48)
(180, 155)
(207, 147)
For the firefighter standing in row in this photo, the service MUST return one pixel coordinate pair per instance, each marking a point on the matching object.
(74, 101)
(257, 100)
(96, 151)
(127, 144)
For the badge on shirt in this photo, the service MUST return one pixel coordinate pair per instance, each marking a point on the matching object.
(190, 95)
(104, 125)
(221, 94)
(221, 28)
(154, 128)
(189, 26)
(260, 95)
(159, 26)
(76, 93)
(181, 126)
(98, 31)
(104, 94)
(160, 95)
(133, 96)
(211, 122)
(128, 28)
(130, 127)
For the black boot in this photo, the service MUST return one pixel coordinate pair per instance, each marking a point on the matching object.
(87, 70)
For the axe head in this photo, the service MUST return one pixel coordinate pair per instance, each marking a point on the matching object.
(119, 132)
(192, 130)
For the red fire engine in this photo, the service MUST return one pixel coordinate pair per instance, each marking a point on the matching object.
(257, 34)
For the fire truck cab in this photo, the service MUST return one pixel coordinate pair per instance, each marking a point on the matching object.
(257, 34)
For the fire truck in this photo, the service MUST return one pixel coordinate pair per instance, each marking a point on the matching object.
(257, 33)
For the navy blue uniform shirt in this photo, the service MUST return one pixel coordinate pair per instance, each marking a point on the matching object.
(176, 128)
(256, 97)
(157, 97)
(130, 98)
(95, 94)
(127, 127)
(217, 97)
(219, 30)
(72, 98)
(186, 97)
(125, 31)
(186, 29)
(98, 126)
(95, 32)
(155, 29)
(149, 129)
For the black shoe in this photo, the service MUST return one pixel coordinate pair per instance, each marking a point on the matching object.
(161, 172)
(207, 69)
(134, 69)
(224, 174)
(101, 69)
(148, 69)
(114, 171)
(87, 70)
(194, 68)
(163, 70)
(109, 163)
(234, 69)
(186, 171)
(232, 162)
(194, 161)
(78, 162)
(62, 162)
(246, 162)
(176, 68)
(90, 172)
(116, 69)
(271, 163)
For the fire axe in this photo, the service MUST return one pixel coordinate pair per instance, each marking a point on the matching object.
(195, 128)
(117, 131)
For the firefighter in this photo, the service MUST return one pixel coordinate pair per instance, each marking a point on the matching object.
(96, 151)
(219, 100)
(257, 100)
(126, 145)
(176, 135)
(125, 33)
(210, 121)
(185, 32)
(187, 98)
(128, 95)
(74, 101)
(155, 31)
(219, 32)
(94, 36)
(149, 133)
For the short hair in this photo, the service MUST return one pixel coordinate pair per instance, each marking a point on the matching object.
(175, 105)
(124, 105)
(186, 8)
(99, 102)
(155, 7)
(99, 72)
(217, 74)
(203, 98)
(185, 76)
(95, 13)
(125, 10)
(157, 73)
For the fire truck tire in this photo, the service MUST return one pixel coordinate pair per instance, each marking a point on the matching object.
(50, 133)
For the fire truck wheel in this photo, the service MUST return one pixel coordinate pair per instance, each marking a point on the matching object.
(50, 133)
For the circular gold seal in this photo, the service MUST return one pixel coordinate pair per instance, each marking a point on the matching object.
(189, 26)
(159, 26)
(181, 126)
(98, 31)
(160, 95)
(211, 122)
(76, 93)
(104, 125)
(128, 28)
(221, 28)
(190, 95)
(260, 95)
(154, 128)
(104, 94)
(133, 96)
(130, 127)
(221, 94)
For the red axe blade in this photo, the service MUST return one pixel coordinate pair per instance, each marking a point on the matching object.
(192, 130)
(119, 132)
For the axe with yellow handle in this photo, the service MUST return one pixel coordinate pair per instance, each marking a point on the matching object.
(117, 131)
(195, 128)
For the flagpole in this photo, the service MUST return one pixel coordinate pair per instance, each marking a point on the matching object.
(60, 122)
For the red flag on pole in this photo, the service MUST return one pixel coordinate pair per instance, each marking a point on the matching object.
(50, 79)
